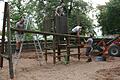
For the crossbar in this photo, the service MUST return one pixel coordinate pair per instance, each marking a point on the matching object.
(45, 33)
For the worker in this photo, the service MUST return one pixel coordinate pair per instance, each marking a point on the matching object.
(19, 34)
(89, 47)
(76, 30)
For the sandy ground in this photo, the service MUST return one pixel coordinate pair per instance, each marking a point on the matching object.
(29, 69)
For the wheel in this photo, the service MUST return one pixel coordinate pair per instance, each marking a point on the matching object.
(114, 51)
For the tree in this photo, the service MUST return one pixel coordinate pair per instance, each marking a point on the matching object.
(18, 9)
(78, 15)
(102, 19)
(109, 17)
(77, 11)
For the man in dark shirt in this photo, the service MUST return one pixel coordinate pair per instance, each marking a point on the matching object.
(60, 10)
(89, 48)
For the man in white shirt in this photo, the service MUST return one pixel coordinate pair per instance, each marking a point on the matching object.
(76, 30)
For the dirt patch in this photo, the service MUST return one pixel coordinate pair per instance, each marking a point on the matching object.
(108, 74)
(29, 69)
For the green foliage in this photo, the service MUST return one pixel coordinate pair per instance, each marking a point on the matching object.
(77, 11)
(79, 15)
(102, 20)
(109, 17)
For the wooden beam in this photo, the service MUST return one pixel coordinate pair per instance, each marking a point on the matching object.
(44, 33)
(11, 71)
(3, 33)
(67, 55)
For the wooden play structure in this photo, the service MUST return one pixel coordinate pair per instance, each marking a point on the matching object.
(60, 40)
(6, 54)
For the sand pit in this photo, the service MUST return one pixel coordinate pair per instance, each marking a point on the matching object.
(29, 69)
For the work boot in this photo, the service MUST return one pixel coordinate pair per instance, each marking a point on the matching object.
(89, 60)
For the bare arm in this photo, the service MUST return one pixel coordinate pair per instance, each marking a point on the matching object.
(56, 11)
(78, 33)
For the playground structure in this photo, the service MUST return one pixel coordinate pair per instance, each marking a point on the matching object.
(61, 40)
(6, 20)
(56, 46)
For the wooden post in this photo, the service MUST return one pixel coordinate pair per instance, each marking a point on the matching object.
(3, 33)
(11, 72)
(45, 48)
(58, 41)
(78, 40)
(59, 51)
(68, 48)
(54, 48)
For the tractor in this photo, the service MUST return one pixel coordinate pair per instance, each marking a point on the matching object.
(114, 48)
(111, 47)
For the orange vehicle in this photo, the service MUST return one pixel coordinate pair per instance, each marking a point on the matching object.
(112, 47)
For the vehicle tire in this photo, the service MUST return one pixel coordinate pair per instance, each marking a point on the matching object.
(114, 50)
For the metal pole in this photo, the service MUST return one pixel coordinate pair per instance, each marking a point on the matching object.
(11, 71)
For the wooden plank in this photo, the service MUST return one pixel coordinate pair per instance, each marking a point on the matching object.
(61, 24)
(67, 55)
(61, 52)
(44, 33)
